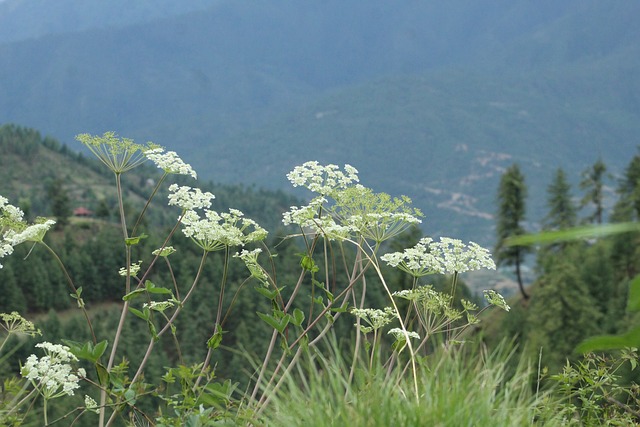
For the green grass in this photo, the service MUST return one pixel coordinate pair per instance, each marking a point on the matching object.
(456, 388)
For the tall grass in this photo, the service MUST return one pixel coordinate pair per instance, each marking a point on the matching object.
(457, 388)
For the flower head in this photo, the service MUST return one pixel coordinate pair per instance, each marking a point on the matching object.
(53, 374)
(216, 231)
(496, 299)
(170, 162)
(374, 317)
(13, 323)
(447, 256)
(250, 259)
(15, 230)
(188, 198)
(118, 154)
(164, 252)
(323, 180)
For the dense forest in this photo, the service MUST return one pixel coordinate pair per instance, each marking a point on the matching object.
(580, 287)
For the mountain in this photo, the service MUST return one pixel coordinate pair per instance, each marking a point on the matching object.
(426, 98)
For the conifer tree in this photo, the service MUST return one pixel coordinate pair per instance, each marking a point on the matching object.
(512, 194)
(593, 183)
(562, 211)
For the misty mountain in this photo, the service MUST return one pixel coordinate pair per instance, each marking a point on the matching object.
(429, 99)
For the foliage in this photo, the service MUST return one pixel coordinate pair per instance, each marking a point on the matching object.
(342, 231)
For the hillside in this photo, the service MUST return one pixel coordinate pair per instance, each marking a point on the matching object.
(30, 164)
(428, 99)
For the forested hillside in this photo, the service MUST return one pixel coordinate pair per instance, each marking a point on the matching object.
(580, 286)
(460, 87)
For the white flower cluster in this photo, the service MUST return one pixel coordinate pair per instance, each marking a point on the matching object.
(376, 318)
(134, 269)
(91, 404)
(188, 198)
(308, 217)
(250, 259)
(158, 305)
(216, 231)
(320, 179)
(447, 256)
(15, 230)
(399, 334)
(170, 162)
(164, 252)
(53, 372)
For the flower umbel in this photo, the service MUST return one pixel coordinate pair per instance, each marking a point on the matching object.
(216, 231)
(170, 162)
(496, 299)
(118, 154)
(447, 256)
(52, 375)
(13, 323)
(323, 180)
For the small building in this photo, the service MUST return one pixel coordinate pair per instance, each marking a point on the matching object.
(82, 211)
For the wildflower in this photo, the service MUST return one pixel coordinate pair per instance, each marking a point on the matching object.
(13, 323)
(250, 259)
(164, 252)
(417, 261)
(14, 230)
(216, 231)
(323, 180)
(188, 198)
(457, 257)
(170, 162)
(118, 154)
(447, 256)
(158, 305)
(31, 233)
(91, 404)
(53, 372)
(400, 334)
(374, 317)
(496, 299)
(375, 216)
(133, 269)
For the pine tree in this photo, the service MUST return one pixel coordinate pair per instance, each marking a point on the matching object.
(562, 211)
(593, 183)
(562, 312)
(60, 202)
(512, 193)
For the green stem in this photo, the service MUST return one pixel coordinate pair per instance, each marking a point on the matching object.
(74, 289)
(217, 327)
(146, 205)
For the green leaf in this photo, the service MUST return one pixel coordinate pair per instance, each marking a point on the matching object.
(103, 374)
(140, 314)
(99, 349)
(131, 295)
(298, 317)
(576, 233)
(307, 263)
(150, 287)
(130, 397)
(215, 340)
(271, 294)
(131, 241)
(610, 342)
(278, 325)
(633, 303)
